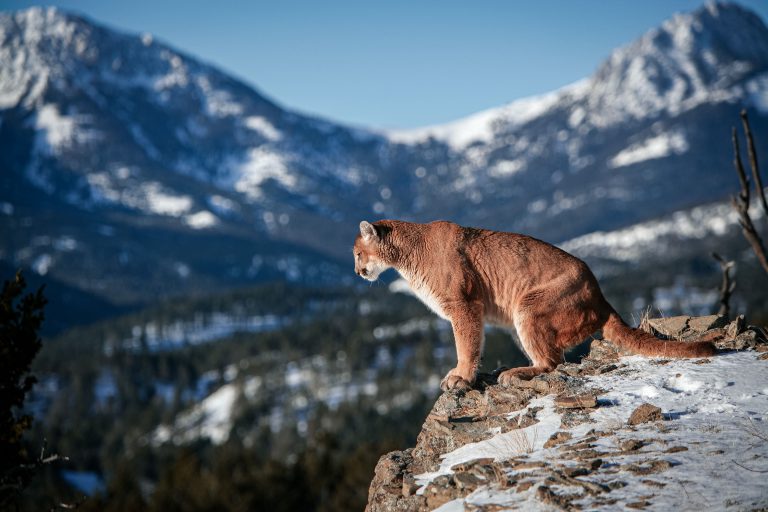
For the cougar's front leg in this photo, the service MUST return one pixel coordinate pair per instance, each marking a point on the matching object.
(467, 323)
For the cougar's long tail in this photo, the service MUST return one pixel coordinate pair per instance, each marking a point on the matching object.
(646, 344)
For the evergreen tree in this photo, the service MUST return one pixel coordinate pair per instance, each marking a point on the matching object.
(20, 321)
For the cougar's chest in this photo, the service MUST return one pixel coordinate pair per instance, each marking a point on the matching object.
(425, 294)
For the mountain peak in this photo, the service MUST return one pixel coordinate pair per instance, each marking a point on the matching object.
(691, 58)
(726, 30)
(37, 24)
(709, 54)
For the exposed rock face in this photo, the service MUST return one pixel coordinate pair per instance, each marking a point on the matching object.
(644, 414)
(587, 459)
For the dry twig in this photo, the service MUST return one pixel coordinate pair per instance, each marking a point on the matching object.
(741, 201)
(727, 285)
(753, 162)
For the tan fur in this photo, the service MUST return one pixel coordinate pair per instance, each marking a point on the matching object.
(472, 276)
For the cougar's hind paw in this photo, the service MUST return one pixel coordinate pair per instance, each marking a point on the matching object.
(507, 378)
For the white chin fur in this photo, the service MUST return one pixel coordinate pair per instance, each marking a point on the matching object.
(374, 272)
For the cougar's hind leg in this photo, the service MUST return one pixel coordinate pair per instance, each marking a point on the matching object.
(538, 338)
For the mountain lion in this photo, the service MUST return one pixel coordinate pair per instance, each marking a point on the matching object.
(471, 276)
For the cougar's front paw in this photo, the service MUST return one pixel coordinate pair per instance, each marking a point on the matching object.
(455, 381)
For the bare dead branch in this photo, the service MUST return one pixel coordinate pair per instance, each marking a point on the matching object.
(743, 180)
(753, 162)
(748, 229)
(741, 205)
(753, 430)
(727, 285)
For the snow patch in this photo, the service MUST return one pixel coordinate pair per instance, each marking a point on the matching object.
(262, 126)
(210, 419)
(221, 204)
(630, 244)
(165, 203)
(504, 446)
(482, 127)
(261, 165)
(659, 146)
(507, 167)
(57, 131)
(201, 220)
(218, 103)
(42, 264)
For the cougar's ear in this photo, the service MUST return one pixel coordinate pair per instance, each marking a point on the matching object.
(368, 231)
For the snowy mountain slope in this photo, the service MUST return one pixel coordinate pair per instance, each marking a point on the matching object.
(121, 144)
(716, 54)
(151, 164)
(643, 136)
(657, 237)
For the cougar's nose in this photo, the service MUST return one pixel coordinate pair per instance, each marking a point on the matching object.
(363, 271)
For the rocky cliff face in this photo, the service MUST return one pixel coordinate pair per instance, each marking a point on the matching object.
(611, 431)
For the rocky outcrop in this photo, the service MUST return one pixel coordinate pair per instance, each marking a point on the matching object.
(423, 478)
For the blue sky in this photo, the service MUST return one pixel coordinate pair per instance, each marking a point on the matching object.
(393, 64)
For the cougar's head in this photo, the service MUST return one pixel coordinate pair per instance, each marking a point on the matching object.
(367, 251)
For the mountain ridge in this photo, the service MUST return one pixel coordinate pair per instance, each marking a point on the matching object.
(198, 159)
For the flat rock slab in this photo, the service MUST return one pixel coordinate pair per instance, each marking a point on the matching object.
(680, 326)
(584, 401)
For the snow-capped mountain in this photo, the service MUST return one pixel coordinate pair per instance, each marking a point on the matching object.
(645, 135)
(123, 156)
(125, 161)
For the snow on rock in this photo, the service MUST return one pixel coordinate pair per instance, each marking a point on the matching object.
(503, 446)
